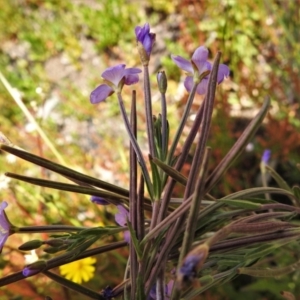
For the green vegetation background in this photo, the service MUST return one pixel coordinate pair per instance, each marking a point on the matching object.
(53, 52)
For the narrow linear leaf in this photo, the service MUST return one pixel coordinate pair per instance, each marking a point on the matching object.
(156, 181)
(169, 171)
(238, 147)
(274, 272)
(296, 192)
(241, 204)
(135, 241)
(69, 173)
(257, 191)
(280, 181)
(111, 197)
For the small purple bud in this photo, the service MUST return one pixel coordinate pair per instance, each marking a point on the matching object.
(107, 293)
(266, 156)
(99, 200)
(145, 37)
(34, 268)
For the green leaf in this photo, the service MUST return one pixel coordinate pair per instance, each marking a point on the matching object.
(111, 197)
(156, 181)
(257, 191)
(71, 174)
(280, 181)
(170, 171)
(135, 241)
(296, 192)
(241, 204)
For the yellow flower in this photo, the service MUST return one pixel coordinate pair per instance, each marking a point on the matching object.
(80, 270)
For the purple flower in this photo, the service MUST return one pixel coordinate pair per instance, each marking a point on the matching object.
(189, 267)
(266, 156)
(168, 291)
(192, 263)
(4, 225)
(107, 293)
(114, 78)
(145, 37)
(199, 66)
(99, 200)
(121, 218)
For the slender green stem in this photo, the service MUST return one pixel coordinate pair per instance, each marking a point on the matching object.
(180, 162)
(206, 122)
(49, 228)
(164, 125)
(73, 286)
(182, 122)
(136, 146)
(148, 111)
(133, 198)
(194, 209)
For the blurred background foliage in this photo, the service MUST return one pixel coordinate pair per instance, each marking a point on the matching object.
(53, 52)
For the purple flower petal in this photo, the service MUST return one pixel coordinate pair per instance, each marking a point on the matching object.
(114, 74)
(131, 71)
(131, 79)
(127, 236)
(107, 293)
(100, 93)
(202, 66)
(4, 225)
(199, 59)
(121, 216)
(202, 86)
(3, 221)
(200, 54)
(34, 268)
(183, 63)
(222, 72)
(113, 77)
(189, 267)
(169, 288)
(188, 83)
(99, 200)
(140, 32)
(168, 291)
(266, 156)
(145, 37)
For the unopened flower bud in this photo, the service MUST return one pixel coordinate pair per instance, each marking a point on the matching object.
(162, 81)
(55, 242)
(34, 268)
(52, 250)
(143, 54)
(145, 40)
(31, 245)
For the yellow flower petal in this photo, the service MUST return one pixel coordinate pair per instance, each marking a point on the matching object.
(78, 271)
